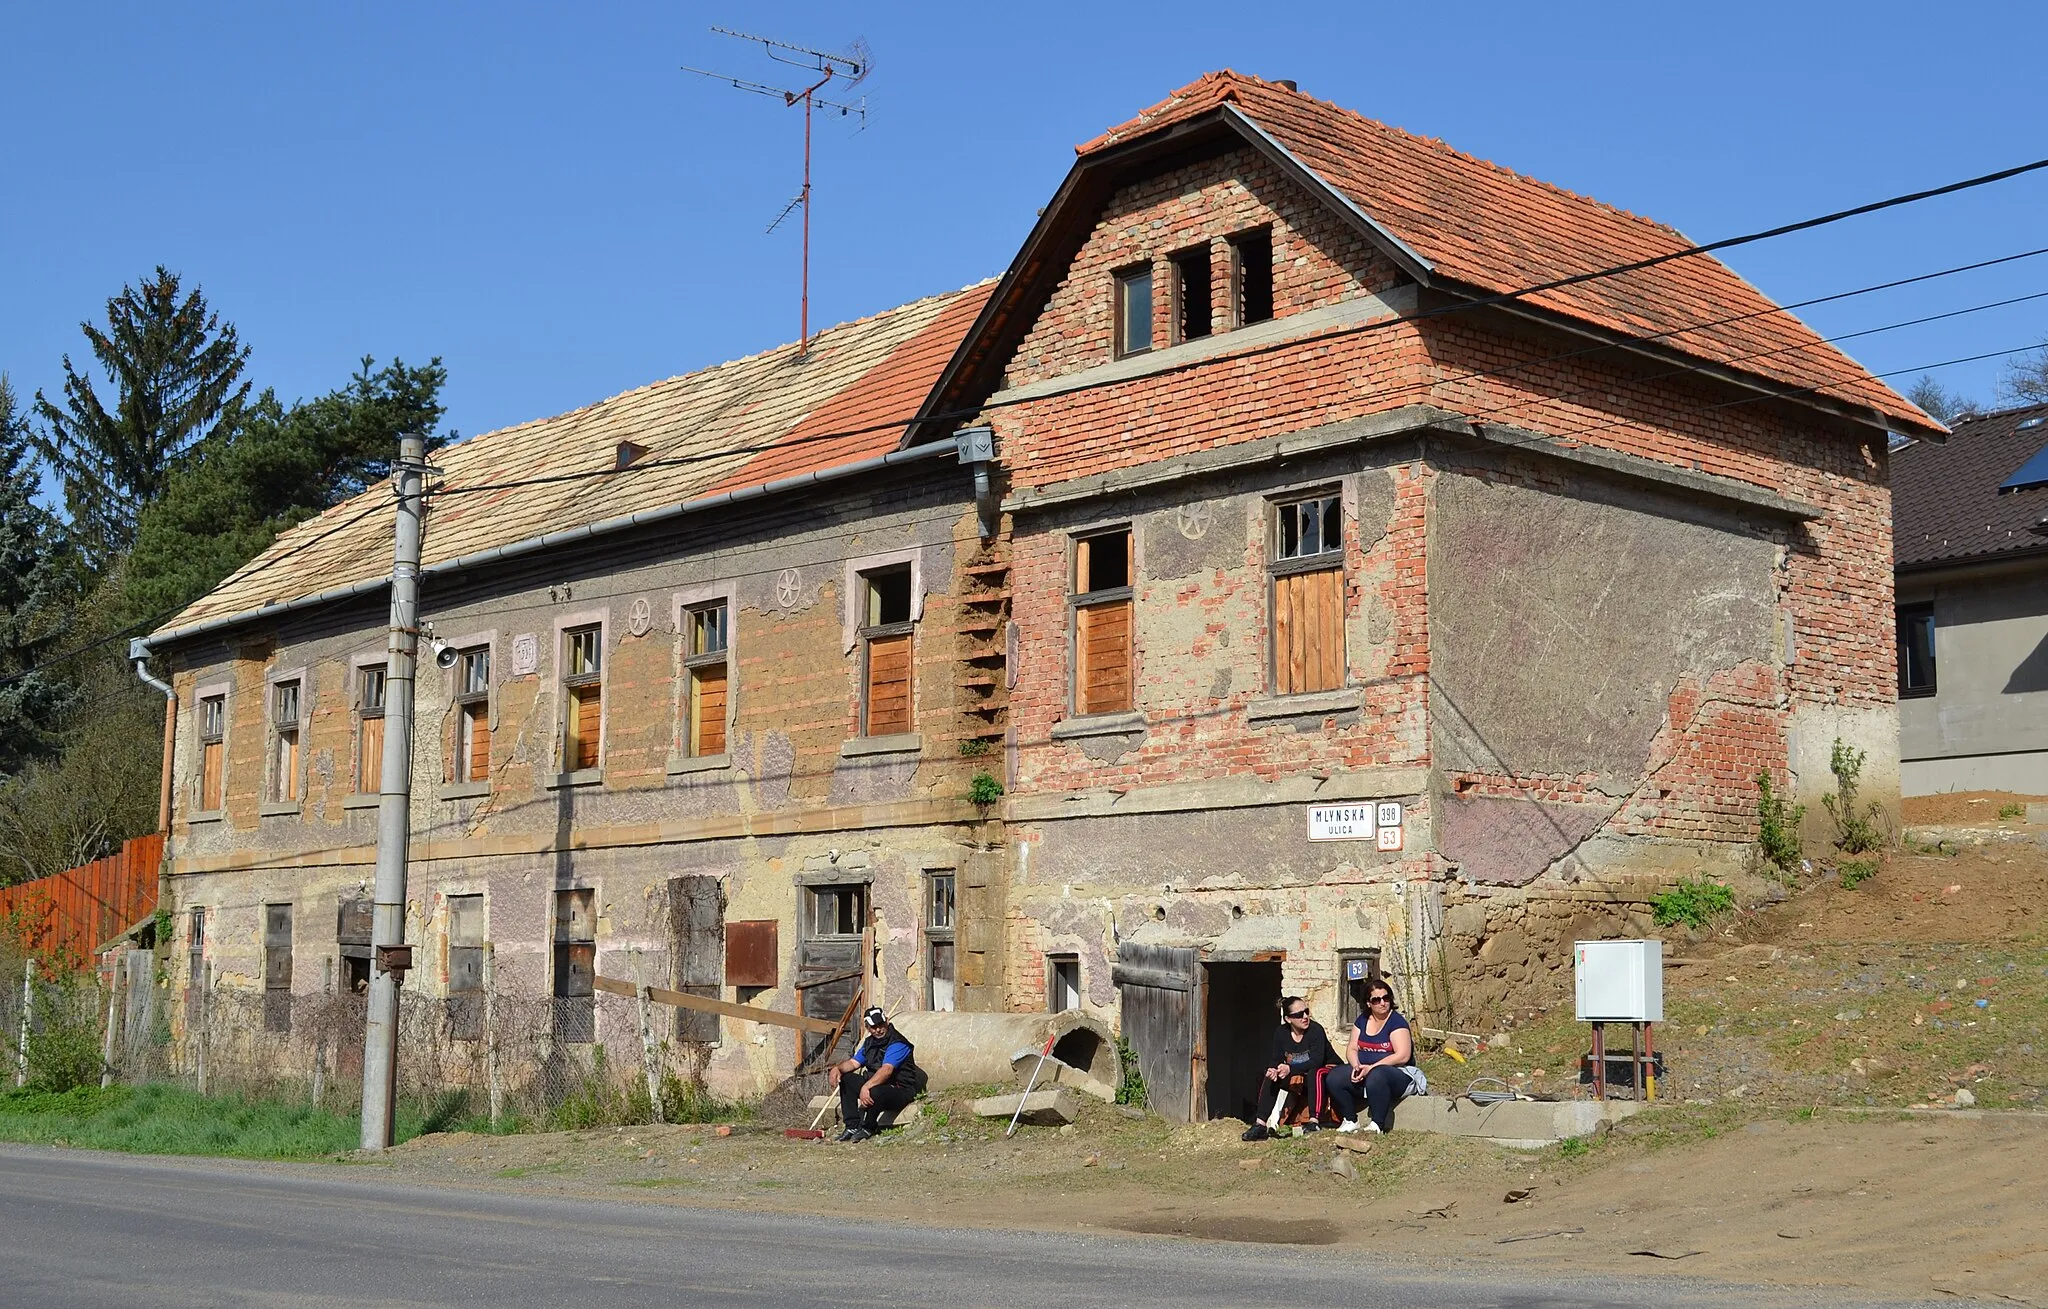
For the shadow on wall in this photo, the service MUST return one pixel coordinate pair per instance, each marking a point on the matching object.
(2032, 672)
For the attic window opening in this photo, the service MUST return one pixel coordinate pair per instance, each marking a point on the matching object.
(1193, 307)
(1251, 277)
(1134, 311)
(629, 453)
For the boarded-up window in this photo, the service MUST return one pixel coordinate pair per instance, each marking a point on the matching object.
(466, 936)
(576, 965)
(828, 960)
(704, 662)
(885, 634)
(1308, 596)
(582, 697)
(354, 917)
(370, 730)
(696, 930)
(213, 716)
(284, 730)
(940, 961)
(277, 968)
(473, 715)
(1102, 623)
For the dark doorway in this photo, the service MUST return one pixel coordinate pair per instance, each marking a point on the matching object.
(1243, 1012)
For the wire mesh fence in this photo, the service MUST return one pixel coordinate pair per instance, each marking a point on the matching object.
(507, 1056)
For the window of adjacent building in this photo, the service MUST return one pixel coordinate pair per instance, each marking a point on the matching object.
(704, 664)
(1102, 622)
(576, 965)
(838, 909)
(1308, 595)
(465, 966)
(582, 697)
(370, 730)
(353, 919)
(885, 637)
(1351, 990)
(1251, 277)
(277, 968)
(1062, 982)
(939, 940)
(195, 962)
(1134, 311)
(1916, 650)
(1192, 307)
(284, 737)
(213, 718)
(473, 715)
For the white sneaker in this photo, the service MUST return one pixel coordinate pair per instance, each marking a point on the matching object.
(1371, 1126)
(1351, 1125)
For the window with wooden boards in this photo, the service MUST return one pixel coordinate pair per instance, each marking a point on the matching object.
(885, 636)
(582, 697)
(704, 663)
(1102, 622)
(213, 721)
(370, 730)
(284, 741)
(1308, 595)
(473, 720)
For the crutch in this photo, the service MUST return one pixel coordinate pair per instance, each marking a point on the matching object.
(1032, 1081)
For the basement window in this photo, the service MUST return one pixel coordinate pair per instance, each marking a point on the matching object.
(576, 966)
(885, 636)
(704, 659)
(1308, 595)
(582, 697)
(370, 730)
(1102, 622)
(1192, 300)
(1134, 311)
(1251, 277)
(213, 716)
(1916, 650)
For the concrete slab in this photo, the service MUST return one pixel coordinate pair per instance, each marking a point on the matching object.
(1525, 1124)
(1059, 1073)
(1052, 1108)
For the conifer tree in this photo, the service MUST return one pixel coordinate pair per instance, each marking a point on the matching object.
(35, 589)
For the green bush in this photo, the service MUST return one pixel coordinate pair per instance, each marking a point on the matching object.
(984, 789)
(1855, 871)
(1130, 1089)
(1693, 903)
(2012, 811)
(1856, 826)
(686, 1101)
(1777, 825)
(64, 1043)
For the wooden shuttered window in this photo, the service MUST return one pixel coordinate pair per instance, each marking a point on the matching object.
(212, 751)
(704, 659)
(370, 730)
(583, 697)
(284, 727)
(473, 726)
(1102, 623)
(888, 700)
(1308, 596)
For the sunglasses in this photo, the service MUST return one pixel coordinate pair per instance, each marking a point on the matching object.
(1379, 999)
(1299, 1013)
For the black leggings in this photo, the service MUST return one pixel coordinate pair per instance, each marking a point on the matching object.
(887, 1098)
(1383, 1088)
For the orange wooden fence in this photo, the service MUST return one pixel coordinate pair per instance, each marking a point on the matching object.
(62, 918)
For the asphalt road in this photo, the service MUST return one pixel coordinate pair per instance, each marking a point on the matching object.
(79, 1228)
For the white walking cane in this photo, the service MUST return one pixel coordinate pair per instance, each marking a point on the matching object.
(1032, 1081)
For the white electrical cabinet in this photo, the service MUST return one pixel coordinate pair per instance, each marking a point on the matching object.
(1619, 981)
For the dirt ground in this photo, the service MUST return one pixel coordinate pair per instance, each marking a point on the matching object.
(1816, 1127)
(1965, 808)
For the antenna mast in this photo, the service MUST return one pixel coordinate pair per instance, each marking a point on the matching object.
(851, 69)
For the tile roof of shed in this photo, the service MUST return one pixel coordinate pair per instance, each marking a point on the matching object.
(1946, 505)
(704, 433)
(1497, 231)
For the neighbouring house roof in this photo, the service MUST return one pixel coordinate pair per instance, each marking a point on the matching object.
(1465, 224)
(869, 373)
(1946, 502)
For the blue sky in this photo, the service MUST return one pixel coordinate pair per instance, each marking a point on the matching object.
(537, 194)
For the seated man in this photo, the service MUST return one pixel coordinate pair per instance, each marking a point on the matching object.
(881, 1078)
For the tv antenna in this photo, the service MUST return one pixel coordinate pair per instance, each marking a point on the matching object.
(850, 69)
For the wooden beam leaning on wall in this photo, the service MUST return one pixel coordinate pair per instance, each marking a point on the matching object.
(744, 1012)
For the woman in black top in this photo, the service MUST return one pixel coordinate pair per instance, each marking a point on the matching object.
(1300, 1050)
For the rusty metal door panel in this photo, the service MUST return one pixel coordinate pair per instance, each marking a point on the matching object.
(1158, 985)
(753, 953)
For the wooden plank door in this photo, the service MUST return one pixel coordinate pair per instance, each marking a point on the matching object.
(696, 929)
(1159, 988)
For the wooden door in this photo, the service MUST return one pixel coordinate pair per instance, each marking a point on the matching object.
(696, 929)
(828, 971)
(1159, 989)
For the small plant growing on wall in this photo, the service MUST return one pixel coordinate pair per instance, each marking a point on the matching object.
(984, 790)
(1694, 903)
(1777, 825)
(973, 748)
(1130, 1087)
(1858, 827)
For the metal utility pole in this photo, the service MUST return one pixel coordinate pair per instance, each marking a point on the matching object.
(390, 957)
(852, 67)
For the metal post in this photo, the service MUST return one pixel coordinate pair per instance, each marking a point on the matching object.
(491, 1033)
(394, 811)
(28, 1001)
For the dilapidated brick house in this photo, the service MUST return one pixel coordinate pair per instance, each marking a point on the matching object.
(1345, 607)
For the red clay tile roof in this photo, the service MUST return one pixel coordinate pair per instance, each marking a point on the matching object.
(866, 373)
(1497, 231)
(1946, 505)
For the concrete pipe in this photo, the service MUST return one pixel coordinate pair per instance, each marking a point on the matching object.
(963, 1049)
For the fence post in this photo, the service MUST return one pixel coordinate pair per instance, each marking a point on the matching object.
(649, 1059)
(28, 1002)
(113, 1014)
(491, 1034)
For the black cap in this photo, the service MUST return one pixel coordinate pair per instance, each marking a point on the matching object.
(874, 1017)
